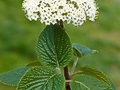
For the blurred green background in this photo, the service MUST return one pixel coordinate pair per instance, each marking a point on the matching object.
(18, 37)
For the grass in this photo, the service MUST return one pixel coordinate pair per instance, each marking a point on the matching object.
(18, 37)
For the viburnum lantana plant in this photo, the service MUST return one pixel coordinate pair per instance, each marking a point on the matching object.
(54, 50)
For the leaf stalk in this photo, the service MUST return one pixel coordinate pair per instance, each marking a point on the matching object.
(74, 65)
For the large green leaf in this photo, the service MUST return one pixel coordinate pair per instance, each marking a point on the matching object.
(95, 72)
(41, 78)
(12, 77)
(54, 47)
(80, 50)
(88, 82)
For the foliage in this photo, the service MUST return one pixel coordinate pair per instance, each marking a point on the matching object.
(13, 77)
(41, 78)
(54, 49)
(18, 38)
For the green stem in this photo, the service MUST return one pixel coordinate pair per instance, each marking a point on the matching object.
(74, 65)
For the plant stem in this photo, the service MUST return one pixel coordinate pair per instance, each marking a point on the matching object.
(74, 65)
(66, 72)
(68, 81)
(61, 24)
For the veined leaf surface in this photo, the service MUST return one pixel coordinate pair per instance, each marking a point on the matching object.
(54, 47)
(41, 78)
(88, 82)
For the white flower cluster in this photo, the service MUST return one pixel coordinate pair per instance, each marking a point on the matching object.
(52, 11)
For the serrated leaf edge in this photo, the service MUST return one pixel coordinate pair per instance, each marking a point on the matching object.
(7, 84)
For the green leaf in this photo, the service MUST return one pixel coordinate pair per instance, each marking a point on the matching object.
(41, 78)
(35, 63)
(54, 47)
(112, 85)
(88, 82)
(95, 72)
(80, 50)
(12, 77)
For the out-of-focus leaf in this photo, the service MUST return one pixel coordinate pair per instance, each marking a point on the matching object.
(80, 50)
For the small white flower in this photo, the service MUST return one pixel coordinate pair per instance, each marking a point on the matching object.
(52, 11)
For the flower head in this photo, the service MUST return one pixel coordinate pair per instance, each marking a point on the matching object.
(51, 11)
